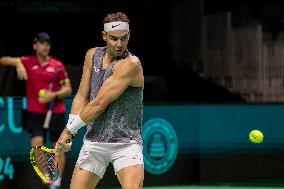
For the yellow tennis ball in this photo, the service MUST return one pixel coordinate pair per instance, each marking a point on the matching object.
(256, 136)
(42, 92)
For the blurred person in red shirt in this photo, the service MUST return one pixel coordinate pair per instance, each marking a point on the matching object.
(42, 71)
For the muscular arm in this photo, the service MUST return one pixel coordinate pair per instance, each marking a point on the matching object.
(65, 90)
(9, 61)
(82, 96)
(15, 62)
(79, 102)
(125, 73)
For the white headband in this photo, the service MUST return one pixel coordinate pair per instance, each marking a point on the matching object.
(113, 26)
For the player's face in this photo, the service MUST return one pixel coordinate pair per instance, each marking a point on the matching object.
(117, 42)
(42, 48)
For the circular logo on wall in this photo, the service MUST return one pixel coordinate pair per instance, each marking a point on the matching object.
(160, 145)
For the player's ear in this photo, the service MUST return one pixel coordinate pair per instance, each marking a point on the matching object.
(104, 35)
(34, 46)
(128, 35)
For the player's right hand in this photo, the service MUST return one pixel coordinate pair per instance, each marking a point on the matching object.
(21, 71)
(64, 142)
(47, 98)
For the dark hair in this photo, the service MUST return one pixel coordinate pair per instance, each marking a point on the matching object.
(42, 37)
(114, 17)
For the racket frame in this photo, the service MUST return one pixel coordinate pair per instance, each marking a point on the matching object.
(34, 164)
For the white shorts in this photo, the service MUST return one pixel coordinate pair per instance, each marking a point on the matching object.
(95, 157)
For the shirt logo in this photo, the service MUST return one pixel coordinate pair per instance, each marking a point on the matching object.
(71, 121)
(35, 67)
(50, 69)
(113, 26)
(96, 69)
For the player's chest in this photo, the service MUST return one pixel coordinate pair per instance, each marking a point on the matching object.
(43, 73)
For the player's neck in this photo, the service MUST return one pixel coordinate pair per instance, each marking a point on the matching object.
(108, 59)
(42, 59)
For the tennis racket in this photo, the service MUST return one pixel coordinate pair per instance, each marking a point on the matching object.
(47, 117)
(45, 163)
(49, 111)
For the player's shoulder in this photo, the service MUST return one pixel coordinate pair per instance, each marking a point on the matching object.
(28, 58)
(132, 61)
(135, 63)
(91, 51)
(55, 62)
(89, 55)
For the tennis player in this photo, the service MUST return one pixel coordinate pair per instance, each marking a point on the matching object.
(110, 103)
(38, 71)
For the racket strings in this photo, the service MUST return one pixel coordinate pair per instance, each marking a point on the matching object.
(51, 163)
(46, 163)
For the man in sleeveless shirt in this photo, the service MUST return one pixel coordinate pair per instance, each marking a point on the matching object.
(39, 71)
(109, 102)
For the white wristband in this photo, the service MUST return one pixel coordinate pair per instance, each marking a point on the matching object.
(71, 117)
(74, 123)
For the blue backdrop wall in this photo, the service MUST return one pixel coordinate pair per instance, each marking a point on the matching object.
(170, 133)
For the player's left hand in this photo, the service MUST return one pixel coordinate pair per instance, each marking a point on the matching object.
(21, 71)
(48, 97)
(64, 142)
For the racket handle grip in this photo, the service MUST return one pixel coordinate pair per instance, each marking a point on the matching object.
(47, 119)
